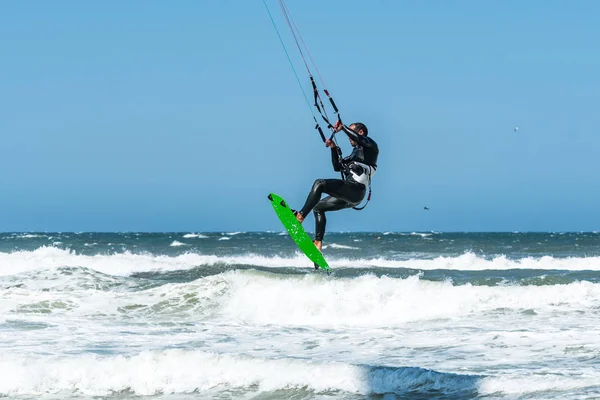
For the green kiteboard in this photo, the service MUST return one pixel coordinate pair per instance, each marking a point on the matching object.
(297, 232)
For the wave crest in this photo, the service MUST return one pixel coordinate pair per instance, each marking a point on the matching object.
(188, 371)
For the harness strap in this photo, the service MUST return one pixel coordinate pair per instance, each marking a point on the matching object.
(368, 199)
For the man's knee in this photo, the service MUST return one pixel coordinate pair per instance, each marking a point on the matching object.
(319, 184)
(318, 211)
(320, 207)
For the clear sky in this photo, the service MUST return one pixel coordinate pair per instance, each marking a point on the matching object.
(184, 115)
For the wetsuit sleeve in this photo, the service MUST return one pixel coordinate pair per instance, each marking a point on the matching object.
(361, 140)
(335, 158)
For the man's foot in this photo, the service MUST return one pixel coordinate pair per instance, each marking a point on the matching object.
(318, 244)
(299, 216)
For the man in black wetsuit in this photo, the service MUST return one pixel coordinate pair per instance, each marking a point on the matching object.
(357, 170)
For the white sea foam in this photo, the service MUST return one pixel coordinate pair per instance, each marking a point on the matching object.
(29, 236)
(299, 300)
(340, 246)
(191, 371)
(471, 262)
(310, 300)
(541, 383)
(371, 301)
(194, 235)
(178, 244)
(521, 339)
(128, 263)
(420, 234)
(185, 371)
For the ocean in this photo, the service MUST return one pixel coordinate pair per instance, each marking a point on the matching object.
(244, 315)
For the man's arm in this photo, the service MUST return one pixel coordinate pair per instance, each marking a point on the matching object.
(336, 155)
(360, 139)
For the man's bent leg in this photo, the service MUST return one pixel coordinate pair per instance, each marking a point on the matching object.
(329, 203)
(349, 192)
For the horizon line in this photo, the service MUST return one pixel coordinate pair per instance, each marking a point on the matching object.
(279, 231)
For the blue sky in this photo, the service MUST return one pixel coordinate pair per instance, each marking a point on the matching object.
(183, 116)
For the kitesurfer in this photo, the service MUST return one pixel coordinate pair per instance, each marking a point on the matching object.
(357, 170)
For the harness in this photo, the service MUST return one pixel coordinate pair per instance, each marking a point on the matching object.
(364, 178)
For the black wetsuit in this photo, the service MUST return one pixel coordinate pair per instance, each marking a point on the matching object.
(343, 193)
